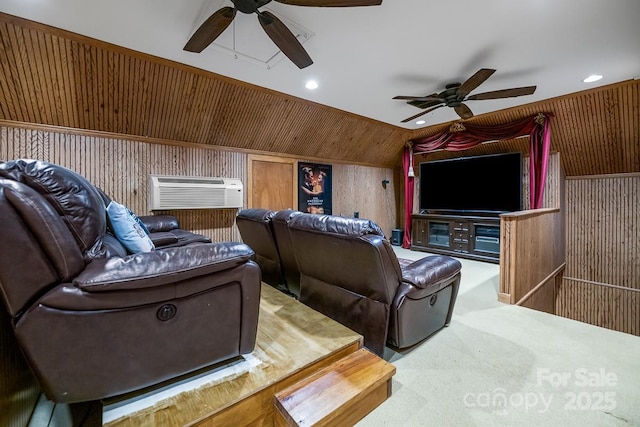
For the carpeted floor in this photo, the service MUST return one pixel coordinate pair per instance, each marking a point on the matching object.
(502, 365)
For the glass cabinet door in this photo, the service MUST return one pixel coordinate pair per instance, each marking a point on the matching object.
(439, 234)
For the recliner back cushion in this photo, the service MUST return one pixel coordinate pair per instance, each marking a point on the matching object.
(280, 224)
(37, 250)
(256, 231)
(74, 198)
(346, 252)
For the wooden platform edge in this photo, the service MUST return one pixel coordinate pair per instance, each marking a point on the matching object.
(258, 409)
(339, 395)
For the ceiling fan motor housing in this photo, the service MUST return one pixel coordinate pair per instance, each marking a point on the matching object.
(450, 95)
(248, 6)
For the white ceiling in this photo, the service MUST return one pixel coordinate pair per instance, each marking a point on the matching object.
(363, 56)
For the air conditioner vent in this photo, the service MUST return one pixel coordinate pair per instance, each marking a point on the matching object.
(186, 180)
(188, 192)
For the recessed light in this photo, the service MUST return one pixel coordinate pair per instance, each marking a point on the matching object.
(420, 122)
(592, 78)
(311, 84)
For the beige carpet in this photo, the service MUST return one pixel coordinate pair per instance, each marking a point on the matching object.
(502, 365)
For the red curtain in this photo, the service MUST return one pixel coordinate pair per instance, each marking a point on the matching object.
(463, 136)
(407, 165)
(540, 142)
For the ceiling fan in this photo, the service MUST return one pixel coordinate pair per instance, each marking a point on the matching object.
(455, 94)
(275, 29)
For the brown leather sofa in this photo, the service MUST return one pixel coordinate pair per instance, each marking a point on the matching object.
(94, 322)
(346, 269)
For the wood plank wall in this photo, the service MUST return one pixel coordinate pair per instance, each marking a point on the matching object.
(597, 131)
(120, 167)
(601, 284)
(361, 190)
(55, 77)
(553, 196)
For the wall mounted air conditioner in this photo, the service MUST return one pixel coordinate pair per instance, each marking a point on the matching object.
(193, 192)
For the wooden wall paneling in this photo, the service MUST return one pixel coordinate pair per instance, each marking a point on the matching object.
(603, 229)
(508, 264)
(602, 280)
(398, 185)
(544, 299)
(597, 131)
(526, 190)
(609, 307)
(121, 168)
(359, 189)
(629, 106)
(65, 79)
(8, 86)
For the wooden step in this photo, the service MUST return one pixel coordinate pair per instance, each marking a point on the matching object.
(339, 395)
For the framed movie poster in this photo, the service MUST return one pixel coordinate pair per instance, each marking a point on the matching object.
(314, 188)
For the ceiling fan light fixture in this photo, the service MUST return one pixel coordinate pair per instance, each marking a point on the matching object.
(592, 78)
(311, 84)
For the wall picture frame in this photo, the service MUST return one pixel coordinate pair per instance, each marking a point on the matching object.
(314, 188)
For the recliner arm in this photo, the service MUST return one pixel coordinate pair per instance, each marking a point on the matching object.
(432, 272)
(155, 223)
(161, 267)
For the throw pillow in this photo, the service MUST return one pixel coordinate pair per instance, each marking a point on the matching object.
(126, 226)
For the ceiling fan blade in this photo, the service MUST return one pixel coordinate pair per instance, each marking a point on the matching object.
(422, 113)
(504, 93)
(463, 111)
(210, 29)
(284, 39)
(332, 3)
(433, 97)
(474, 81)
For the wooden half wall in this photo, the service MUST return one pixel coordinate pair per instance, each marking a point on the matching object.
(531, 255)
(532, 245)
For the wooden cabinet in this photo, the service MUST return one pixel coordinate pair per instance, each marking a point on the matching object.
(419, 232)
(464, 236)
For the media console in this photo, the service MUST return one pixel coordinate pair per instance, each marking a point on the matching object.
(472, 237)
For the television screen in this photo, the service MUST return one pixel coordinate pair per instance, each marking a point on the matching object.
(483, 185)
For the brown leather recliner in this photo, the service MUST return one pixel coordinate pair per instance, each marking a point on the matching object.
(93, 324)
(257, 232)
(349, 272)
(291, 274)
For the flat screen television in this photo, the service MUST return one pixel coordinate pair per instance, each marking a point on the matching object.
(481, 185)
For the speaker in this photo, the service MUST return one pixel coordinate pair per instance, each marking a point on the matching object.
(396, 236)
